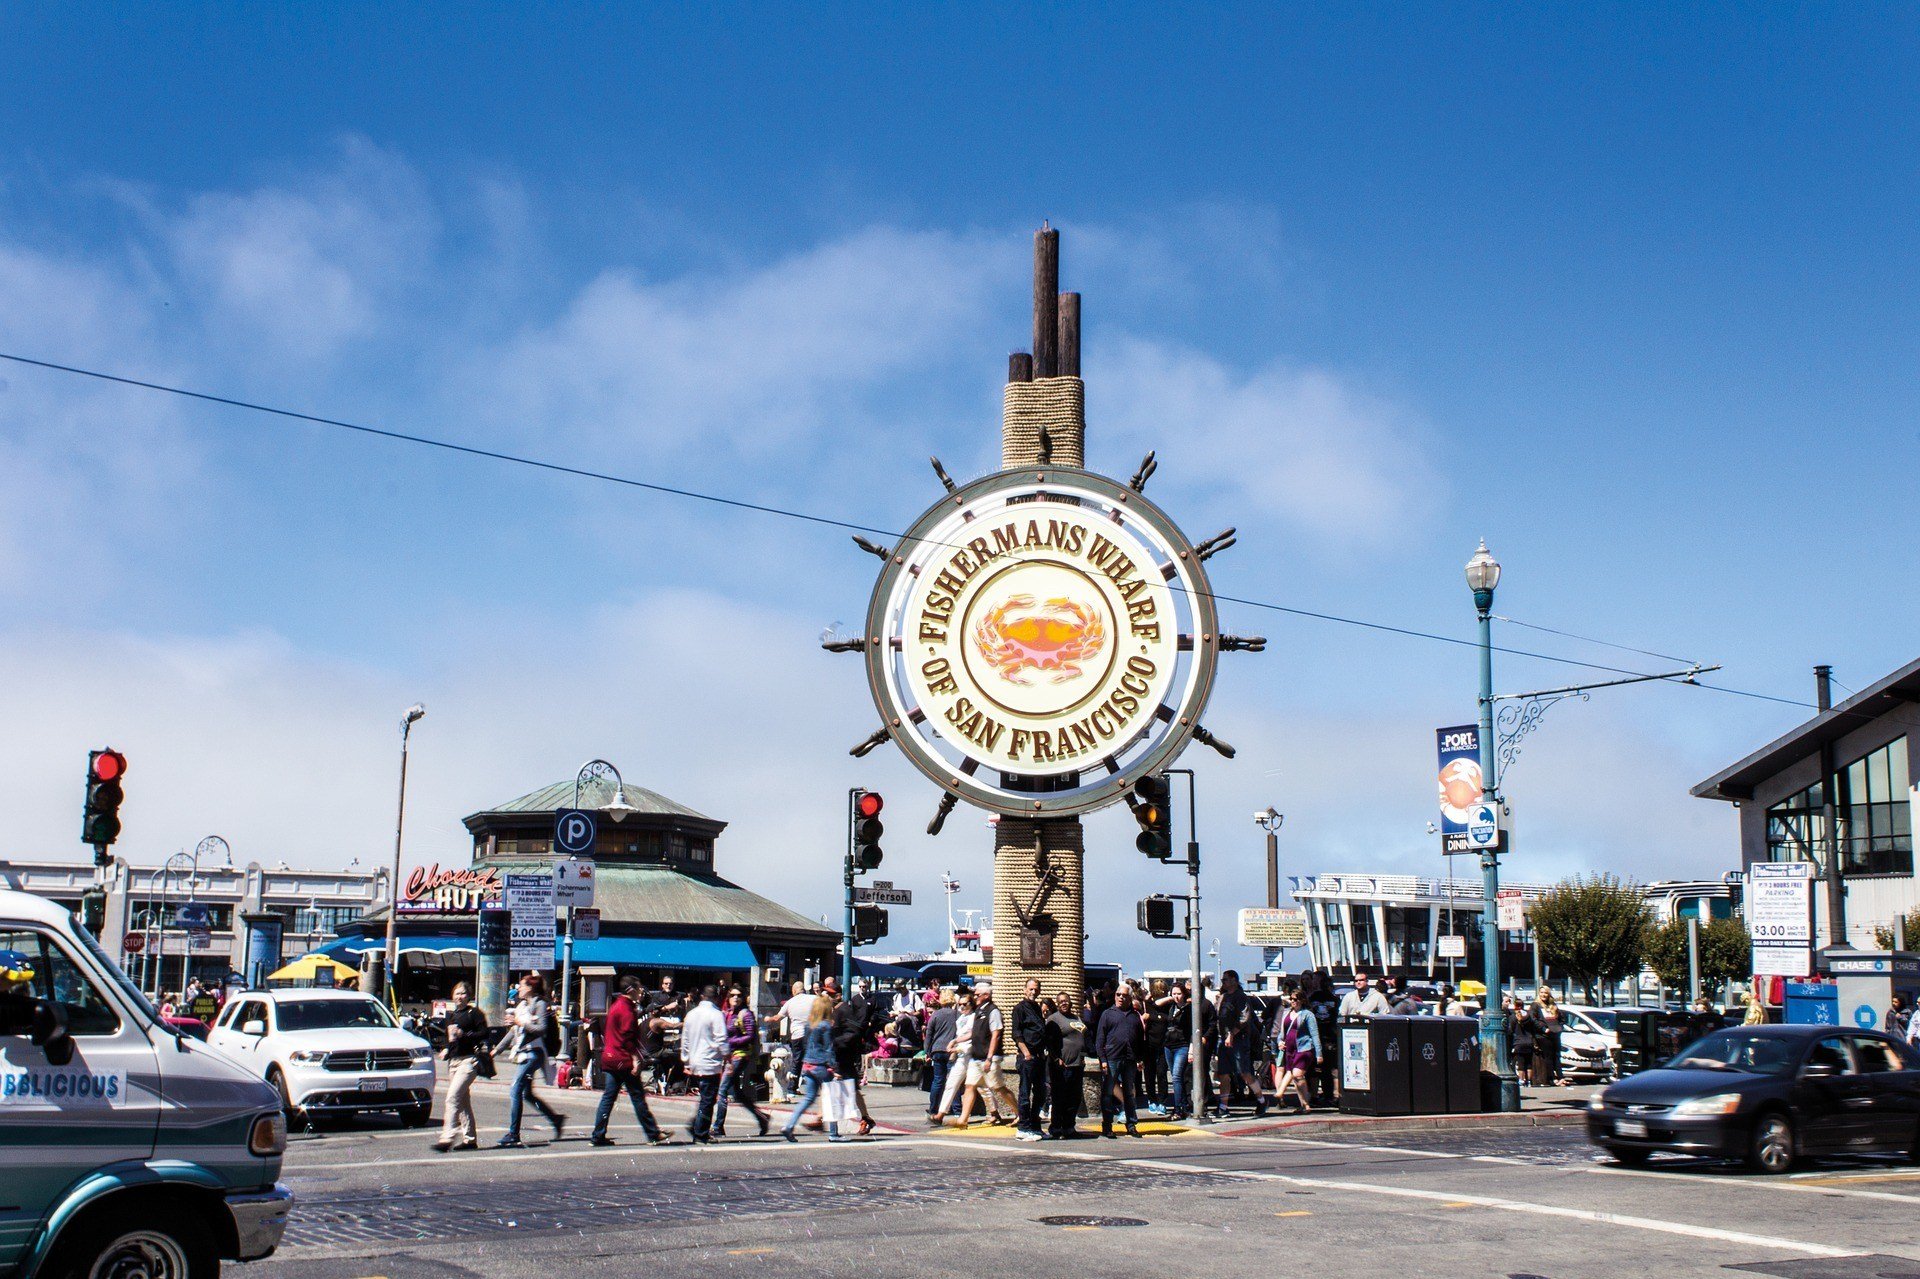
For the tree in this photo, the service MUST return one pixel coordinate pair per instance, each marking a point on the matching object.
(1726, 952)
(1593, 929)
(1883, 933)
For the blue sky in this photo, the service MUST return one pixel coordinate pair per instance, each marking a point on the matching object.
(1629, 292)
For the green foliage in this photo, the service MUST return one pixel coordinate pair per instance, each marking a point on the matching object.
(1883, 933)
(1592, 929)
(1726, 952)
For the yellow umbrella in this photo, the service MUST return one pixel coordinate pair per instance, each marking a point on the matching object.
(1472, 989)
(308, 967)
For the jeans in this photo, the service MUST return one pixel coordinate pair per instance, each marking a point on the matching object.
(1033, 1091)
(1118, 1091)
(614, 1079)
(812, 1082)
(1153, 1076)
(937, 1067)
(1182, 1078)
(708, 1088)
(736, 1083)
(1063, 1085)
(523, 1092)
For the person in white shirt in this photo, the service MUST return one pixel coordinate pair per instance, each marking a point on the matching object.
(793, 1017)
(962, 1041)
(1363, 1000)
(703, 1053)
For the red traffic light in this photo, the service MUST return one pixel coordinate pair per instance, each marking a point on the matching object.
(108, 765)
(869, 804)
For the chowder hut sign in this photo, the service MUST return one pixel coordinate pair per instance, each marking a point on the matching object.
(430, 890)
(1041, 639)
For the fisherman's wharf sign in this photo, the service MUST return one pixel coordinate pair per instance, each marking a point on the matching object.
(1040, 639)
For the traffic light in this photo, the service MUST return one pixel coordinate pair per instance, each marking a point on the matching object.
(100, 824)
(1155, 915)
(867, 831)
(93, 911)
(869, 924)
(1152, 804)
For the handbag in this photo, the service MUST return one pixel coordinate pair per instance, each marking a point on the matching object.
(483, 1066)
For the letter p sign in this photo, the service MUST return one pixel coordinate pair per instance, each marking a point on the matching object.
(573, 832)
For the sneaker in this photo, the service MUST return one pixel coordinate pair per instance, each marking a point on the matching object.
(763, 1125)
(1027, 1136)
(507, 1143)
(599, 1140)
(659, 1139)
(559, 1122)
(1155, 1108)
(718, 1131)
(1132, 1131)
(788, 1134)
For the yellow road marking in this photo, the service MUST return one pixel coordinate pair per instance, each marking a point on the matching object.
(1297, 1212)
(1841, 1179)
(1459, 1205)
(1079, 1227)
(748, 1252)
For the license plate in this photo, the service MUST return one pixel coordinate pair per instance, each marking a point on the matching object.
(1630, 1128)
(372, 1083)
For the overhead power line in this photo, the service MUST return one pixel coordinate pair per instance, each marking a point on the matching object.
(672, 490)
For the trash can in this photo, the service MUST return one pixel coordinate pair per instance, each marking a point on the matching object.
(1375, 1076)
(1462, 1047)
(1427, 1063)
(1639, 1031)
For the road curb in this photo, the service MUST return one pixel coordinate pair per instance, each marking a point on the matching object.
(1363, 1125)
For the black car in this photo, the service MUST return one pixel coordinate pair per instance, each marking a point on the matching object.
(1767, 1095)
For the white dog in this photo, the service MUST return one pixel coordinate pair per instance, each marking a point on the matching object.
(778, 1061)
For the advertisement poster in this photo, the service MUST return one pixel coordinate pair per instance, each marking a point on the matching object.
(1779, 910)
(1356, 1070)
(530, 899)
(1461, 785)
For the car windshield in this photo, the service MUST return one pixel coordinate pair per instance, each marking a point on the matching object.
(1735, 1050)
(1607, 1021)
(334, 1014)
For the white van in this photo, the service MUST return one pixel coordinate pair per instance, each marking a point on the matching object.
(126, 1147)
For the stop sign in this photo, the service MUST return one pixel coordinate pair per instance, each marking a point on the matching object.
(134, 943)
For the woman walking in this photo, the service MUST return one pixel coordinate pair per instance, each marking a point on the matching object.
(1523, 1026)
(466, 1042)
(1297, 1051)
(528, 1046)
(1546, 1058)
(816, 1068)
(743, 1053)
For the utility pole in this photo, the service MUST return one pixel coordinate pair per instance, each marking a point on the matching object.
(1483, 574)
(1196, 1059)
(1830, 819)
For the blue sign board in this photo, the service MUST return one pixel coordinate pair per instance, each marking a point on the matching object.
(573, 832)
(1461, 785)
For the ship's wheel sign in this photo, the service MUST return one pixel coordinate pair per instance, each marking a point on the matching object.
(1040, 639)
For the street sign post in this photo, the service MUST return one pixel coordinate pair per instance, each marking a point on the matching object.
(1510, 911)
(586, 924)
(573, 889)
(1779, 909)
(530, 899)
(1276, 926)
(1452, 946)
(1483, 826)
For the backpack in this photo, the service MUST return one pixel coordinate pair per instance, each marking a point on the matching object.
(551, 1037)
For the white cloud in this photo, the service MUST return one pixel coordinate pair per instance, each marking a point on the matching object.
(1304, 446)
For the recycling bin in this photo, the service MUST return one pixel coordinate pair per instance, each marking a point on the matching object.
(1461, 1045)
(1648, 1037)
(1812, 1003)
(1375, 1074)
(1427, 1066)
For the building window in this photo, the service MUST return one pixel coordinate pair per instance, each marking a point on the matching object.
(1876, 817)
(701, 851)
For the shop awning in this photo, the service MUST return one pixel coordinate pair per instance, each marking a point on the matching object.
(354, 947)
(874, 970)
(667, 952)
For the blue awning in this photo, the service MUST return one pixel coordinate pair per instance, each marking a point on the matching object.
(666, 952)
(354, 947)
(874, 970)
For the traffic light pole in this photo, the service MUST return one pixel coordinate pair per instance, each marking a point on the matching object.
(1196, 1053)
(846, 937)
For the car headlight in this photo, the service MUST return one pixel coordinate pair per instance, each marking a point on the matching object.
(1598, 1101)
(306, 1055)
(420, 1054)
(268, 1136)
(1720, 1103)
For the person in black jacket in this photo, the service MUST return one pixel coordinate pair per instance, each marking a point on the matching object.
(1117, 1044)
(850, 1036)
(1066, 1061)
(1030, 1042)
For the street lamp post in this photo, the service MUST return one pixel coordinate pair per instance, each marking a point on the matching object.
(1270, 821)
(1483, 575)
(390, 954)
(593, 770)
(190, 862)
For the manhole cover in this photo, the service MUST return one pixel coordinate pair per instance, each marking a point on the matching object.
(1090, 1221)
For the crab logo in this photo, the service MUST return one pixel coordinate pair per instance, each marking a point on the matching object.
(1028, 641)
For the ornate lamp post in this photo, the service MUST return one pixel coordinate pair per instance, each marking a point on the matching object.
(190, 864)
(1270, 820)
(1483, 575)
(390, 955)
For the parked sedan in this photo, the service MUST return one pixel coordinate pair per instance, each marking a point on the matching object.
(329, 1052)
(1767, 1095)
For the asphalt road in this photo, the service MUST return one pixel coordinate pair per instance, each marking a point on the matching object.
(1519, 1203)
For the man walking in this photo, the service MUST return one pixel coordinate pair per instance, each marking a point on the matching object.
(940, 1036)
(1030, 1042)
(621, 1056)
(1363, 1000)
(792, 1021)
(1117, 1043)
(993, 1082)
(703, 1052)
(1236, 1045)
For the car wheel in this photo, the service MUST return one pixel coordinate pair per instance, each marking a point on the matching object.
(1771, 1148)
(416, 1116)
(297, 1119)
(1630, 1156)
(109, 1243)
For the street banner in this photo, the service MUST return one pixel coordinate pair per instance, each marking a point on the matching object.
(1461, 785)
(1779, 909)
(1510, 911)
(530, 900)
(1273, 926)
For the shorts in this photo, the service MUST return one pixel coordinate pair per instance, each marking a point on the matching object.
(1236, 1058)
(977, 1073)
(993, 1080)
